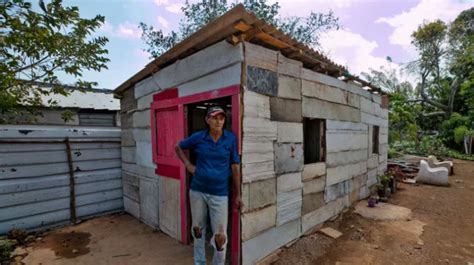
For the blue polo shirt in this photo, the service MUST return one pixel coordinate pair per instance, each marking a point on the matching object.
(213, 160)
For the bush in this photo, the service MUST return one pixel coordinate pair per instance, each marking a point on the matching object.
(6, 247)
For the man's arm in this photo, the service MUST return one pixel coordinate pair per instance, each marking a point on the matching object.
(182, 156)
(236, 185)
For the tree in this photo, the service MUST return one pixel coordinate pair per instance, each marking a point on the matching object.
(38, 45)
(304, 29)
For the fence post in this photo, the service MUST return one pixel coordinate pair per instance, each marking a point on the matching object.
(72, 182)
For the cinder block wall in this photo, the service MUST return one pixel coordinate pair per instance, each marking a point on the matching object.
(151, 198)
(283, 197)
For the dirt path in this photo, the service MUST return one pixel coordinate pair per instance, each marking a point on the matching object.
(440, 232)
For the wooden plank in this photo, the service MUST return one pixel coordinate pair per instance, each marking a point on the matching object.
(316, 108)
(242, 26)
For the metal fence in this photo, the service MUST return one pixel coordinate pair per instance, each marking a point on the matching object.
(54, 175)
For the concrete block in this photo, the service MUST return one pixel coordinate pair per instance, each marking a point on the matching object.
(289, 132)
(256, 105)
(127, 138)
(312, 201)
(223, 78)
(245, 196)
(132, 207)
(289, 182)
(373, 161)
(262, 193)
(316, 108)
(335, 125)
(262, 81)
(141, 119)
(329, 93)
(337, 190)
(288, 110)
(126, 120)
(262, 57)
(364, 192)
(142, 135)
(257, 171)
(139, 169)
(342, 173)
(201, 63)
(314, 170)
(319, 216)
(128, 102)
(270, 240)
(253, 151)
(259, 129)
(288, 157)
(289, 87)
(288, 206)
(149, 204)
(257, 221)
(289, 67)
(314, 185)
(346, 141)
(145, 101)
(128, 154)
(357, 182)
(373, 120)
(345, 157)
(144, 154)
(372, 177)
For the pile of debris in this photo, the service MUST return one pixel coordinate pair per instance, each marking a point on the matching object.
(428, 170)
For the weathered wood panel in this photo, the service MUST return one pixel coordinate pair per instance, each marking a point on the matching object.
(258, 221)
(328, 93)
(259, 56)
(316, 108)
(288, 206)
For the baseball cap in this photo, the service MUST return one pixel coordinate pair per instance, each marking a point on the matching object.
(215, 110)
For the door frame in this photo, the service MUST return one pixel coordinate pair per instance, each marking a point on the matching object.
(170, 99)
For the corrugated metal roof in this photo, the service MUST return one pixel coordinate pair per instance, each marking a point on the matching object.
(236, 25)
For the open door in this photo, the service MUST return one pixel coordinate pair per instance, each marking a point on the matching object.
(169, 125)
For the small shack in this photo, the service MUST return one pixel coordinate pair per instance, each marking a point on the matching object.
(312, 138)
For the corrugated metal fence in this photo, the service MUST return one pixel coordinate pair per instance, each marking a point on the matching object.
(43, 167)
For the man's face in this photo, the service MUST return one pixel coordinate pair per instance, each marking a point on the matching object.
(216, 122)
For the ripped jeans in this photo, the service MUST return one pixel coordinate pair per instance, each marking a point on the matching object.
(217, 206)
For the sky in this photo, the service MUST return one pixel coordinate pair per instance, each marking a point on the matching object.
(371, 30)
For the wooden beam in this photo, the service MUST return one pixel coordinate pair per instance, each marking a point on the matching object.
(242, 26)
(233, 39)
(271, 40)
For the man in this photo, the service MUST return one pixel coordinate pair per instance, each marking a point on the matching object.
(216, 160)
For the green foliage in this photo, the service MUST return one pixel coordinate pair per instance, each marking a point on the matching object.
(6, 247)
(304, 29)
(460, 133)
(36, 46)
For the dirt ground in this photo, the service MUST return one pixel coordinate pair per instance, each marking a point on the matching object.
(441, 230)
(115, 239)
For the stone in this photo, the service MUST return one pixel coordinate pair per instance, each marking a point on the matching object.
(316, 108)
(262, 81)
(383, 211)
(314, 185)
(265, 243)
(288, 132)
(288, 110)
(289, 87)
(288, 206)
(19, 251)
(435, 176)
(336, 191)
(257, 221)
(288, 157)
(312, 201)
(314, 170)
(330, 232)
(262, 193)
(289, 182)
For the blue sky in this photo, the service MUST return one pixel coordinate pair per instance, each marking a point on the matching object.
(371, 29)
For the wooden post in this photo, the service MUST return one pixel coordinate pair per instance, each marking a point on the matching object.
(72, 182)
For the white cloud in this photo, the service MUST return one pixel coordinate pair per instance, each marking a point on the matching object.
(352, 50)
(174, 8)
(106, 27)
(407, 22)
(161, 2)
(128, 30)
(142, 54)
(163, 22)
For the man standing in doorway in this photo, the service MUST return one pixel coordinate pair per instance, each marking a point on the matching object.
(216, 160)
